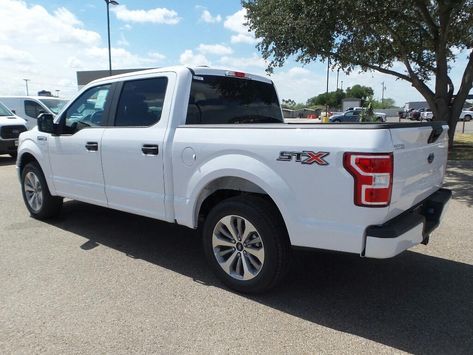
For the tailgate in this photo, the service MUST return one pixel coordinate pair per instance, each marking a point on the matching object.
(420, 158)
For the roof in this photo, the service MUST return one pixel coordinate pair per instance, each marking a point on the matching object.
(178, 69)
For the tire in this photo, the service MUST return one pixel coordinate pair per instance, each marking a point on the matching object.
(337, 121)
(38, 200)
(260, 259)
(467, 118)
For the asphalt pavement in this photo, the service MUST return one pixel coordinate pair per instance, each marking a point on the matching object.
(101, 281)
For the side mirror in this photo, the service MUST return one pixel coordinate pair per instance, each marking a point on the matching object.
(46, 123)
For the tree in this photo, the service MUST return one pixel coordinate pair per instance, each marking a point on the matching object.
(409, 39)
(387, 103)
(360, 92)
(332, 99)
(288, 103)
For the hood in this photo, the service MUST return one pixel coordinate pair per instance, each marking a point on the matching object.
(12, 121)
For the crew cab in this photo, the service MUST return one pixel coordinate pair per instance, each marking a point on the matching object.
(10, 128)
(209, 149)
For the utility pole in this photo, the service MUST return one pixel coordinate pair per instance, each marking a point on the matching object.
(326, 91)
(338, 72)
(108, 2)
(383, 87)
(57, 93)
(26, 83)
(342, 85)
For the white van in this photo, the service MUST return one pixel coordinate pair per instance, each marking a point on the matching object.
(29, 107)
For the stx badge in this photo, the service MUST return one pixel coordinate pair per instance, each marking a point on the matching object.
(304, 157)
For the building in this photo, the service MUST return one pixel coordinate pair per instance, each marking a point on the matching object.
(350, 102)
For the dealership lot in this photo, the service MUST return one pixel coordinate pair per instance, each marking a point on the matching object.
(97, 280)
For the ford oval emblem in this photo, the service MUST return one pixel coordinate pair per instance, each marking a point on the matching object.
(430, 158)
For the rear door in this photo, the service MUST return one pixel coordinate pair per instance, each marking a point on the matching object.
(420, 158)
(133, 148)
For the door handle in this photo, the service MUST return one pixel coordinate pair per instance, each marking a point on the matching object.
(92, 146)
(150, 149)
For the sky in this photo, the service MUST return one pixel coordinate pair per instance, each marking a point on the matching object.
(48, 41)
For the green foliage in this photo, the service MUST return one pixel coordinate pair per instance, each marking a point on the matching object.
(332, 99)
(291, 104)
(387, 103)
(360, 92)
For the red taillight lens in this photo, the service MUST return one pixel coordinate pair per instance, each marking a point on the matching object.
(236, 74)
(373, 175)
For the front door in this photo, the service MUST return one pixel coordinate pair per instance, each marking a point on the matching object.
(75, 155)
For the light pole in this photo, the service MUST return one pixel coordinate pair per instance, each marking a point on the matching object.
(26, 83)
(326, 91)
(108, 2)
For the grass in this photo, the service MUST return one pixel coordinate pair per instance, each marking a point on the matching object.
(462, 147)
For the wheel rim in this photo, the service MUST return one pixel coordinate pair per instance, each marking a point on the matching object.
(238, 247)
(33, 191)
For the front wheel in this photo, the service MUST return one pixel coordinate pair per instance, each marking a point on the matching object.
(39, 201)
(467, 118)
(246, 244)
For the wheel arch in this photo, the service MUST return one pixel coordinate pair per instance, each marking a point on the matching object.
(226, 187)
(220, 178)
(30, 152)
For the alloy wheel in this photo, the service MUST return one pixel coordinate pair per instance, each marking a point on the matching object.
(238, 247)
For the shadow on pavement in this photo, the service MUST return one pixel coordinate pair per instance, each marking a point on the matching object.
(7, 160)
(416, 303)
(459, 178)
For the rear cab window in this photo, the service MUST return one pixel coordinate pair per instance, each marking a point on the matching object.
(228, 100)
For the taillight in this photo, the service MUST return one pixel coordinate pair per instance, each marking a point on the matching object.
(236, 74)
(373, 175)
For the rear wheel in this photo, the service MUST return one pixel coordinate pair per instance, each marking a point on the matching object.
(337, 121)
(39, 201)
(467, 118)
(246, 244)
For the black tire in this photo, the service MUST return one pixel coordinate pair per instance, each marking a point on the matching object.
(13, 155)
(467, 118)
(270, 228)
(337, 121)
(50, 206)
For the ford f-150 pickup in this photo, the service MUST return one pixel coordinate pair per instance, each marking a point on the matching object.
(208, 149)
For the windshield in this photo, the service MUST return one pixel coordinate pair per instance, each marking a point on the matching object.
(55, 105)
(4, 111)
(222, 100)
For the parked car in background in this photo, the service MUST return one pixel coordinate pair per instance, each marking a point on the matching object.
(426, 114)
(466, 115)
(10, 128)
(29, 107)
(353, 115)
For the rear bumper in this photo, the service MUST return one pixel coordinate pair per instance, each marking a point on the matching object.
(408, 229)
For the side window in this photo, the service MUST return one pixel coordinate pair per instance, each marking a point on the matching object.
(141, 102)
(87, 110)
(349, 114)
(33, 109)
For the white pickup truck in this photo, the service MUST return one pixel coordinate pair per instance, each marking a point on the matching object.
(208, 149)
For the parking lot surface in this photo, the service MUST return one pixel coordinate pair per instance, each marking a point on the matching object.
(101, 281)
